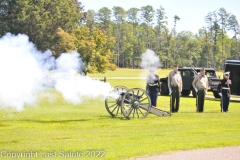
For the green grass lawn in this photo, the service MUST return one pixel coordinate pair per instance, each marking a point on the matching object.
(55, 126)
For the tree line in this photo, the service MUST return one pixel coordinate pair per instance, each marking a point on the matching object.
(58, 25)
(116, 37)
(134, 31)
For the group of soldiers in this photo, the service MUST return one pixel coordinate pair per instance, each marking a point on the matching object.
(200, 85)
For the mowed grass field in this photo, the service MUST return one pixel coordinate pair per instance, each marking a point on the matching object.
(54, 128)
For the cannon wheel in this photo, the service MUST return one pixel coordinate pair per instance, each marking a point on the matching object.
(113, 104)
(135, 104)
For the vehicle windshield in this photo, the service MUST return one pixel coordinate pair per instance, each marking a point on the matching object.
(209, 73)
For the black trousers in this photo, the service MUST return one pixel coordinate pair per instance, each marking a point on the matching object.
(200, 100)
(225, 103)
(175, 96)
(153, 96)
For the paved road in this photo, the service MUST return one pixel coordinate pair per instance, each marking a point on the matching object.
(232, 98)
(226, 153)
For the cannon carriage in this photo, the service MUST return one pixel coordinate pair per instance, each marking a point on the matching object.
(131, 103)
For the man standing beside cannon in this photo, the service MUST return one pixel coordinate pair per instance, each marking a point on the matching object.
(153, 86)
(175, 88)
(224, 91)
(200, 84)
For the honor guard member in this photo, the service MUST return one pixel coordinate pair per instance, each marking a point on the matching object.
(153, 87)
(224, 91)
(200, 84)
(175, 88)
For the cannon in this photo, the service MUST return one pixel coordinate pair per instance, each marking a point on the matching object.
(131, 103)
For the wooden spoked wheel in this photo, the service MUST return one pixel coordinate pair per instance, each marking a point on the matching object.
(113, 101)
(135, 103)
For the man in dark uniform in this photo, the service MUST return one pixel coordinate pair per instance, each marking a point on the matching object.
(224, 91)
(153, 87)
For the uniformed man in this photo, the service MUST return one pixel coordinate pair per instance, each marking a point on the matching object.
(200, 84)
(175, 88)
(224, 91)
(153, 86)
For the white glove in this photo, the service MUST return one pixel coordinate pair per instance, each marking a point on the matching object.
(228, 82)
(170, 91)
(220, 94)
(196, 90)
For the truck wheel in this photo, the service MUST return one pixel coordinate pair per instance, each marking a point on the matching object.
(164, 89)
(193, 92)
(216, 95)
(185, 93)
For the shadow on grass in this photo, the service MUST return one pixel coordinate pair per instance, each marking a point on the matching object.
(192, 112)
(4, 125)
(8, 142)
(54, 121)
(70, 120)
(120, 117)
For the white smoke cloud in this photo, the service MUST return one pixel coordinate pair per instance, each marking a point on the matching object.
(18, 72)
(23, 70)
(150, 60)
(76, 88)
(68, 62)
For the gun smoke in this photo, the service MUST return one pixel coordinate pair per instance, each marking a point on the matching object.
(150, 61)
(24, 70)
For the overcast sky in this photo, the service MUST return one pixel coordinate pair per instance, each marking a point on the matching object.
(191, 12)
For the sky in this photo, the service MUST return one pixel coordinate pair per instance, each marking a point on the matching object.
(191, 12)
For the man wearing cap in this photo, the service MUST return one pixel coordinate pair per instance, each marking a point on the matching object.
(153, 86)
(175, 88)
(224, 91)
(200, 84)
